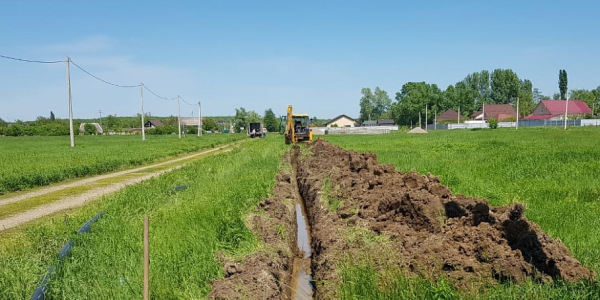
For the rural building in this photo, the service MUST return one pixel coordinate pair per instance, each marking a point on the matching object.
(369, 123)
(385, 122)
(189, 121)
(499, 112)
(555, 110)
(153, 124)
(341, 121)
(449, 115)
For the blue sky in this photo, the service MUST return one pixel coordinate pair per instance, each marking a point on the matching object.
(315, 55)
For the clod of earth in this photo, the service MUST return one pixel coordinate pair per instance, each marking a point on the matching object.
(417, 224)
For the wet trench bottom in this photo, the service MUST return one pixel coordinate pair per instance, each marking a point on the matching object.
(301, 285)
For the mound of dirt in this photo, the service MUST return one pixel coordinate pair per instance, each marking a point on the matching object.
(417, 130)
(427, 230)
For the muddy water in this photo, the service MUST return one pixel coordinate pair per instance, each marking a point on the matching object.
(302, 288)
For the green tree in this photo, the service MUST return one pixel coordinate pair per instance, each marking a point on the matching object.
(88, 128)
(413, 99)
(241, 119)
(538, 96)
(209, 124)
(374, 105)
(52, 118)
(366, 104)
(563, 83)
(526, 103)
(111, 122)
(505, 86)
(271, 121)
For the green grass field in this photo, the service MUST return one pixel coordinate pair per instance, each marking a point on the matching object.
(187, 227)
(27, 162)
(556, 173)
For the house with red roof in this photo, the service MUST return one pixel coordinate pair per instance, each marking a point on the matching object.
(499, 112)
(449, 115)
(555, 110)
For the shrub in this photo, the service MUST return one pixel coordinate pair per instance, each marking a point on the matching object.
(493, 123)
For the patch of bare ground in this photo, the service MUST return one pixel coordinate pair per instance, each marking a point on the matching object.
(364, 211)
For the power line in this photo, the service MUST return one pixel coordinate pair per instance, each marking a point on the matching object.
(100, 79)
(186, 101)
(33, 61)
(155, 94)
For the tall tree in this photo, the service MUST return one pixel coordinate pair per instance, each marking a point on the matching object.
(412, 100)
(373, 105)
(52, 118)
(271, 121)
(538, 96)
(366, 104)
(526, 103)
(563, 83)
(505, 86)
(241, 119)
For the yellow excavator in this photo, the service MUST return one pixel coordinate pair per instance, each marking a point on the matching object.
(297, 127)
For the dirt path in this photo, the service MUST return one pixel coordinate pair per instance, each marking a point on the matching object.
(90, 195)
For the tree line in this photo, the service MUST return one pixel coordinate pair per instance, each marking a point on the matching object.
(53, 126)
(500, 86)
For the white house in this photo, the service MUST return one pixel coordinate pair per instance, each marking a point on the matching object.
(341, 121)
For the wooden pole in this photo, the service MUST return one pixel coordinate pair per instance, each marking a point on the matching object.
(146, 261)
(142, 100)
(71, 132)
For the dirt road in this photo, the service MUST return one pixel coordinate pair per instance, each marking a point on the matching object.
(80, 199)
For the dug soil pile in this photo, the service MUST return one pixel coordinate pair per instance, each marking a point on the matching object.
(365, 213)
(425, 229)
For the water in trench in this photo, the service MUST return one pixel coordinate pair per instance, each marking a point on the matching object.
(302, 288)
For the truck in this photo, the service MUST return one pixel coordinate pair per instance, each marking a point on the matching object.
(255, 129)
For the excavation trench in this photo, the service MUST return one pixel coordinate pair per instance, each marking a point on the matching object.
(335, 208)
(301, 286)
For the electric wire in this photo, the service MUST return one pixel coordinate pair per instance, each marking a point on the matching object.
(157, 95)
(102, 80)
(94, 76)
(33, 61)
(186, 101)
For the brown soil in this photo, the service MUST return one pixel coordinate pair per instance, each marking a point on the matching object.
(427, 231)
(364, 212)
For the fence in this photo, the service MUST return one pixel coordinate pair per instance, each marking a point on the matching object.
(354, 130)
(522, 123)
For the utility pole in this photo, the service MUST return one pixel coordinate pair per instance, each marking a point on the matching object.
(458, 115)
(426, 118)
(199, 119)
(142, 100)
(70, 103)
(483, 112)
(566, 108)
(100, 112)
(517, 128)
(178, 116)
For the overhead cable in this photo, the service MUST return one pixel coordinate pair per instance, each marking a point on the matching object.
(33, 61)
(186, 101)
(102, 80)
(157, 95)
